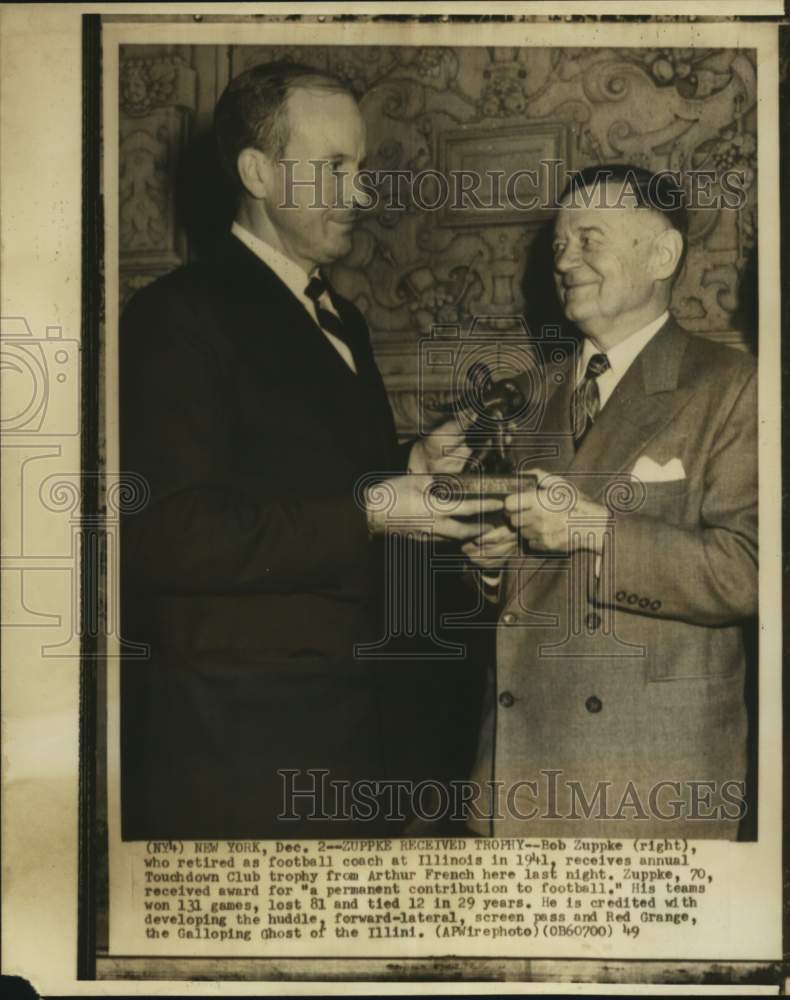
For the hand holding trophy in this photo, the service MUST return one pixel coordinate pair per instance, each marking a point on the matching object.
(487, 471)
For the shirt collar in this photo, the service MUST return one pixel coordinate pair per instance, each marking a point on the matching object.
(622, 355)
(290, 273)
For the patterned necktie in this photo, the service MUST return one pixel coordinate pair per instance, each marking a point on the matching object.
(587, 399)
(327, 320)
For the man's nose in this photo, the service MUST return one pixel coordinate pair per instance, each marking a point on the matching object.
(349, 193)
(565, 259)
(360, 196)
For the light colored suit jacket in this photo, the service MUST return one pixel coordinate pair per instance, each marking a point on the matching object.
(616, 707)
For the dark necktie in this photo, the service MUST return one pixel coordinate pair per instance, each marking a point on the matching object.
(587, 399)
(328, 320)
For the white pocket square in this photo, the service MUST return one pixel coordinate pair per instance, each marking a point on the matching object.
(649, 471)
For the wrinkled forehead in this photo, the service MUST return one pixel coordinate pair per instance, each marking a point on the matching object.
(573, 218)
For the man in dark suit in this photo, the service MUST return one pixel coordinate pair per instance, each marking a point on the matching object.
(617, 703)
(251, 403)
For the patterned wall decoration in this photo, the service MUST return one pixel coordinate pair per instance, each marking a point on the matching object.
(435, 108)
(157, 98)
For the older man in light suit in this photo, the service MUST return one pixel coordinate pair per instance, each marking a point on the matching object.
(616, 707)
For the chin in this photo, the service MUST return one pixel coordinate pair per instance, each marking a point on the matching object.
(580, 308)
(574, 314)
(340, 248)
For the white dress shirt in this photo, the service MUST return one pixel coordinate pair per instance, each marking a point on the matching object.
(620, 357)
(296, 280)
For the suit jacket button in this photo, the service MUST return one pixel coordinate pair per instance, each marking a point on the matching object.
(506, 699)
(593, 704)
(620, 595)
(655, 605)
(633, 598)
(508, 618)
(644, 602)
(593, 621)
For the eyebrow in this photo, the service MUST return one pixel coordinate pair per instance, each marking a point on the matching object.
(583, 230)
(338, 156)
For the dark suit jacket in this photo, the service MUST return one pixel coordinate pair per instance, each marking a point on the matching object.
(250, 573)
(636, 678)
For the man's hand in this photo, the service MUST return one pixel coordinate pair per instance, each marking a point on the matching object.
(548, 515)
(492, 549)
(405, 502)
(443, 450)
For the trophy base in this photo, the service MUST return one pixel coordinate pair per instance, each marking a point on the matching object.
(481, 486)
(469, 485)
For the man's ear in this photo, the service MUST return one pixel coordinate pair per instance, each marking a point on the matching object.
(255, 172)
(667, 251)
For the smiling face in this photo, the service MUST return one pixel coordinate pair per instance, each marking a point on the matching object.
(306, 209)
(611, 267)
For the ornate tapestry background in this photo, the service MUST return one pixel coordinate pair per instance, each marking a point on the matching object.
(408, 270)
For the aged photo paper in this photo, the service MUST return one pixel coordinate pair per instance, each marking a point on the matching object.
(391, 461)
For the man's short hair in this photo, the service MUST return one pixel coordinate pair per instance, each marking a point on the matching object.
(253, 108)
(660, 191)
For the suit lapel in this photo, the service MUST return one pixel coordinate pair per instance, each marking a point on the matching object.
(270, 315)
(355, 337)
(280, 331)
(644, 401)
